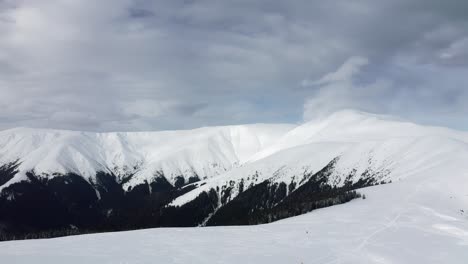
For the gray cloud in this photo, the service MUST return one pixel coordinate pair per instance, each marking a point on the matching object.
(138, 65)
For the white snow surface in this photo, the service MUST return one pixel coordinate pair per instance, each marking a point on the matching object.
(415, 220)
(421, 217)
(387, 148)
(204, 152)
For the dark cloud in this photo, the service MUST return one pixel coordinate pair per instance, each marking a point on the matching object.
(138, 65)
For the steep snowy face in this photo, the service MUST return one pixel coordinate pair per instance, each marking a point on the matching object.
(362, 147)
(206, 152)
(136, 157)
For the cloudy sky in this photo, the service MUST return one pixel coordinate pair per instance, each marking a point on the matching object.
(147, 65)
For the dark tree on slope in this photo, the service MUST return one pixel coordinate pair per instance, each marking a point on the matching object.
(267, 202)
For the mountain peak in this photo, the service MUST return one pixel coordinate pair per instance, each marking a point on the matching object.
(353, 115)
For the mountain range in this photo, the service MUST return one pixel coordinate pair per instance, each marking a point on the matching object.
(56, 182)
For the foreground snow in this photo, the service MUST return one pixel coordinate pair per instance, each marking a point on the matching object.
(418, 220)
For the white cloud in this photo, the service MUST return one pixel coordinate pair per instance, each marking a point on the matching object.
(344, 73)
(458, 50)
(339, 90)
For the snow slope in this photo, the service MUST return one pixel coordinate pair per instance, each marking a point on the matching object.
(356, 126)
(366, 145)
(203, 152)
(416, 220)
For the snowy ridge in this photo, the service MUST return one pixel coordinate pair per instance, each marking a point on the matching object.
(219, 155)
(364, 144)
(355, 126)
(203, 152)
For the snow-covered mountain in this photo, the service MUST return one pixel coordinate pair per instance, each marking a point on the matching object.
(364, 146)
(419, 216)
(213, 176)
(138, 156)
